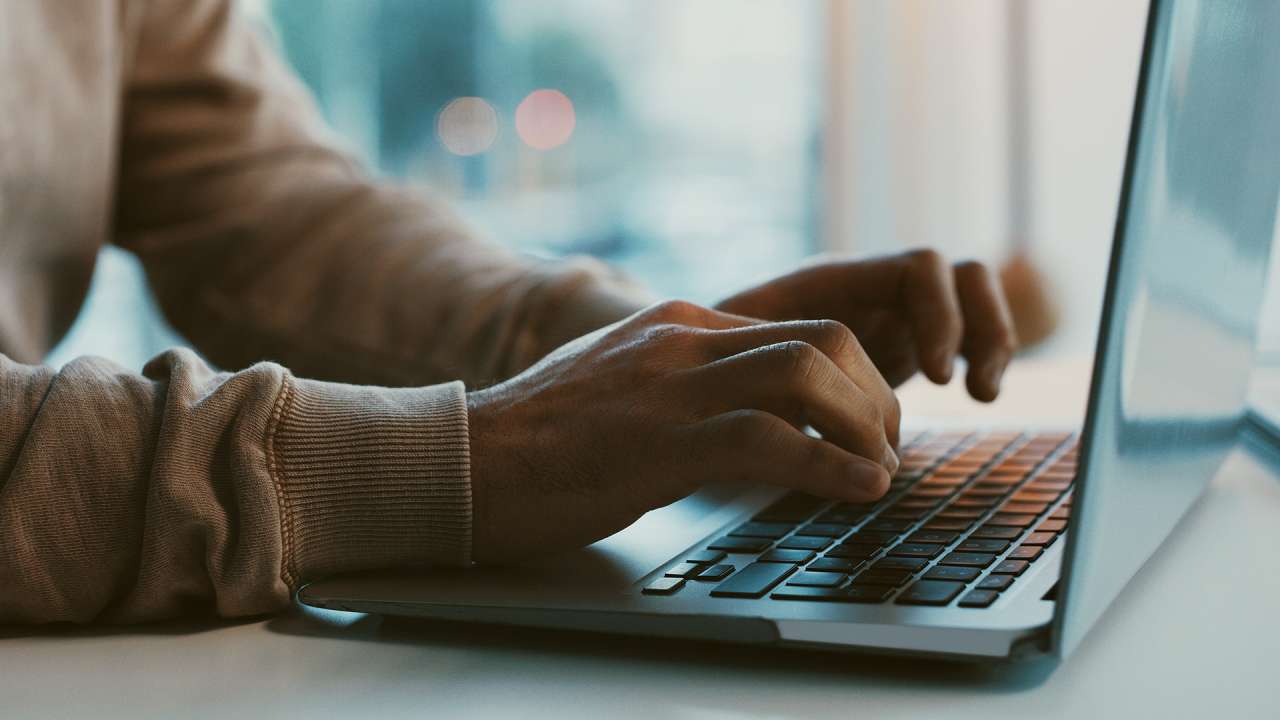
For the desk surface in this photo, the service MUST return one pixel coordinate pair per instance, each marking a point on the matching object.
(1193, 636)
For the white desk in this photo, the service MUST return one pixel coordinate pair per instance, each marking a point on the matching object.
(1194, 636)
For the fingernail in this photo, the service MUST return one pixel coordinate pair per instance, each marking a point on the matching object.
(892, 462)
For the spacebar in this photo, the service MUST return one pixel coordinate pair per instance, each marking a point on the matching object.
(754, 580)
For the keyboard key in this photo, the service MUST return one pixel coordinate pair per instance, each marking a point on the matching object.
(684, 569)
(793, 508)
(900, 563)
(868, 593)
(1053, 526)
(984, 545)
(980, 560)
(891, 578)
(705, 557)
(787, 556)
(997, 533)
(816, 579)
(804, 543)
(843, 517)
(929, 492)
(1040, 538)
(1026, 552)
(1062, 513)
(1001, 481)
(838, 565)
(945, 524)
(1024, 508)
(773, 531)
(803, 592)
(1009, 520)
(953, 573)
(856, 551)
(996, 582)
(1010, 567)
(753, 580)
(978, 599)
(664, 586)
(888, 525)
(740, 545)
(930, 592)
(972, 503)
(944, 537)
(995, 492)
(876, 537)
(1033, 496)
(714, 572)
(916, 550)
(951, 513)
(823, 530)
(901, 513)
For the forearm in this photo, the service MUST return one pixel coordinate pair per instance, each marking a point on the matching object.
(128, 498)
(265, 242)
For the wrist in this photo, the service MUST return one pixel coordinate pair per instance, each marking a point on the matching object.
(589, 296)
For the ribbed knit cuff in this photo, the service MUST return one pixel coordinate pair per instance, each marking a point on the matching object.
(370, 477)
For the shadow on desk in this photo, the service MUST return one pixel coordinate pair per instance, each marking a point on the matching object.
(173, 628)
(676, 657)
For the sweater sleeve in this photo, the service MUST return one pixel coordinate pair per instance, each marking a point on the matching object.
(128, 498)
(264, 241)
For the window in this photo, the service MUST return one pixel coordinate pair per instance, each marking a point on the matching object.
(691, 141)
(676, 139)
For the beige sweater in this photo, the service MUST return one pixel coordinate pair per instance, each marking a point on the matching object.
(165, 126)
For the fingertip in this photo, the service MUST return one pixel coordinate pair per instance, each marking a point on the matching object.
(941, 367)
(984, 381)
(869, 481)
(982, 387)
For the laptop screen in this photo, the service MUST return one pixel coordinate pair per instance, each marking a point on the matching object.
(1188, 267)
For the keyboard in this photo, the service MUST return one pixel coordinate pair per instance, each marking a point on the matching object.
(966, 515)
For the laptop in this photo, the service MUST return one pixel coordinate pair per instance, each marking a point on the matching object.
(998, 543)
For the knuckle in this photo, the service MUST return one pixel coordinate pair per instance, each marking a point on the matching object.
(972, 267)
(817, 454)
(669, 310)
(797, 358)
(926, 257)
(834, 335)
(756, 428)
(1005, 340)
(664, 334)
(893, 409)
(665, 347)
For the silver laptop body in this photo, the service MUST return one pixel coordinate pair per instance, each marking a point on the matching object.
(1193, 235)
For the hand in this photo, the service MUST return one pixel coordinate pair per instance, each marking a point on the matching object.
(910, 312)
(638, 414)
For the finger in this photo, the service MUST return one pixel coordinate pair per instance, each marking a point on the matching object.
(928, 293)
(680, 312)
(989, 338)
(834, 340)
(752, 446)
(894, 351)
(795, 379)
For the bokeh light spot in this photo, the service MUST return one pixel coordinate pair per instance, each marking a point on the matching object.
(467, 126)
(545, 119)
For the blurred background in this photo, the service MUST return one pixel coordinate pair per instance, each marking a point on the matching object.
(706, 144)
